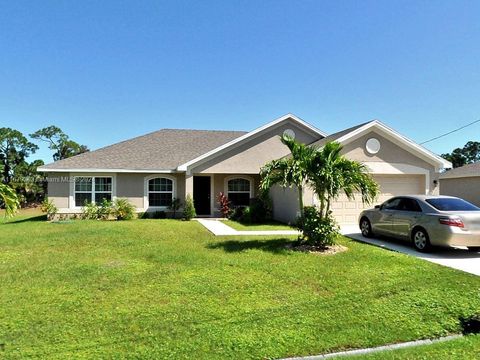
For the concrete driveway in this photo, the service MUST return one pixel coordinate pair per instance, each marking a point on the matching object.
(456, 258)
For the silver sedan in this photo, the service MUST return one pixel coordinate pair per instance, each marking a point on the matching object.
(425, 220)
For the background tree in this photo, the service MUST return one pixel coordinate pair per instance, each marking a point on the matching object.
(59, 142)
(8, 200)
(470, 153)
(28, 183)
(14, 149)
(291, 170)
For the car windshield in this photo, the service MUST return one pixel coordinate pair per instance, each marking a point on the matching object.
(451, 204)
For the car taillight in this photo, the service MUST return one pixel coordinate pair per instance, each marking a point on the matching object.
(452, 222)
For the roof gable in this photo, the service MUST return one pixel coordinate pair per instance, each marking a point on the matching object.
(348, 135)
(251, 135)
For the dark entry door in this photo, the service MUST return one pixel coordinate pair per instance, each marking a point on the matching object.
(201, 194)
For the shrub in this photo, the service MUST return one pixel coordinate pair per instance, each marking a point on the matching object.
(92, 211)
(224, 205)
(470, 324)
(236, 213)
(260, 209)
(189, 209)
(105, 209)
(175, 206)
(317, 230)
(143, 215)
(49, 208)
(158, 215)
(246, 216)
(123, 210)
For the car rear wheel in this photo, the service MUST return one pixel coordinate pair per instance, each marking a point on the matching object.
(474, 248)
(420, 239)
(366, 227)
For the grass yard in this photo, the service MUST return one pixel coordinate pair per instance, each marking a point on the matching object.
(271, 225)
(170, 289)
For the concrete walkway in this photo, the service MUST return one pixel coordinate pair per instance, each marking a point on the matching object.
(351, 353)
(456, 258)
(218, 228)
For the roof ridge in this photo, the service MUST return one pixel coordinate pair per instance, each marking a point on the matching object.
(204, 130)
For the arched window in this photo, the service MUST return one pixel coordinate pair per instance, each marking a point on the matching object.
(239, 191)
(160, 192)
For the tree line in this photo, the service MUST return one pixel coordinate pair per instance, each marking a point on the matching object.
(20, 175)
(469, 154)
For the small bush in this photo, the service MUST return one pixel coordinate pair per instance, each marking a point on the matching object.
(92, 211)
(224, 205)
(105, 209)
(189, 209)
(470, 324)
(158, 215)
(246, 217)
(237, 213)
(122, 209)
(175, 206)
(316, 230)
(260, 209)
(49, 208)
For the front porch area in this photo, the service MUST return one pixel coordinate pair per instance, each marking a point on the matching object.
(206, 188)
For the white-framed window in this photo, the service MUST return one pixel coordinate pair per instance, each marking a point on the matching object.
(160, 191)
(239, 191)
(92, 189)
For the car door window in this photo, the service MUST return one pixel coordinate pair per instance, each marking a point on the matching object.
(409, 205)
(391, 204)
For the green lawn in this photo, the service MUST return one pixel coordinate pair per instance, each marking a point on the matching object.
(169, 289)
(461, 349)
(271, 225)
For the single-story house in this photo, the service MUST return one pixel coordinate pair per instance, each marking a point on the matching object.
(463, 182)
(152, 169)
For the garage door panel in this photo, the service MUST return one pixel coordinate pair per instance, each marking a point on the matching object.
(346, 211)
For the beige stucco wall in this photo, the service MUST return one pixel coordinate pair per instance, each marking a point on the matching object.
(390, 153)
(129, 186)
(285, 202)
(467, 188)
(132, 186)
(249, 157)
(58, 188)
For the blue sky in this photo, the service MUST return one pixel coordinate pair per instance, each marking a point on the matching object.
(106, 71)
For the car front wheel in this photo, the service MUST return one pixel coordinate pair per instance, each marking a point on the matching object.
(420, 239)
(366, 228)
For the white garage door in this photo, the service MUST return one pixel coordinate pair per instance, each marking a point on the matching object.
(346, 211)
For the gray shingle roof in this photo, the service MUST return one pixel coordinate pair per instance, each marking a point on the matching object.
(164, 149)
(337, 135)
(463, 171)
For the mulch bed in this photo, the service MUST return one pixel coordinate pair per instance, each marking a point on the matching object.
(318, 250)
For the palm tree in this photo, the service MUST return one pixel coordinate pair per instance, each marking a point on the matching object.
(291, 170)
(9, 199)
(331, 173)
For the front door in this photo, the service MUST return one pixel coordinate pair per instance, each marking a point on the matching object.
(201, 194)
